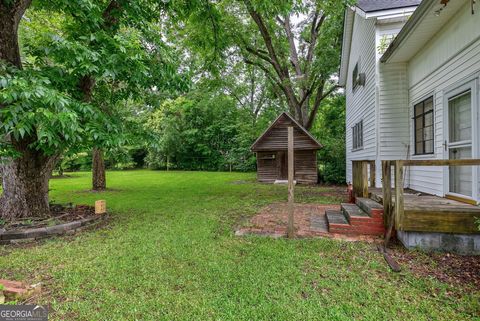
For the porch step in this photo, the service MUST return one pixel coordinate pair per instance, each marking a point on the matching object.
(353, 220)
(352, 211)
(370, 206)
(336, 217)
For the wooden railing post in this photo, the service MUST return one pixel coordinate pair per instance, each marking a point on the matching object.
(372, 174)
(399, 199)
(364, 179)
(387, 191)
(360, 177)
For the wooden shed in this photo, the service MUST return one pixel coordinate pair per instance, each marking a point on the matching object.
(272, 157)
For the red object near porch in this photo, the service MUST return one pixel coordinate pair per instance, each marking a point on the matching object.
(351, 196)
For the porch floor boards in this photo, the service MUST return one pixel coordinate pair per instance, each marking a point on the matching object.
(430, 213)
(417, 200)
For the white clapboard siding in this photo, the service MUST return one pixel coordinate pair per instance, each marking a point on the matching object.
(361, 102)
(449, 59)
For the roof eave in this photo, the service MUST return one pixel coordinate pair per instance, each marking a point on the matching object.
(346, 46)
(407, 29)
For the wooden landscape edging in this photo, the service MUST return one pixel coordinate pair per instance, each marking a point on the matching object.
(29, 235)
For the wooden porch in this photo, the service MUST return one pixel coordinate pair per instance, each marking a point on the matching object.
(411, 210)
(429, 213)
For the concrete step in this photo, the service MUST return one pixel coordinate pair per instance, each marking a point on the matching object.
(369, 206)
(353, 213)
(336, 218)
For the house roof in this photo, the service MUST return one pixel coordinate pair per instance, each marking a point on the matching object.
(425, 22)
(379, 5)
(313, 141)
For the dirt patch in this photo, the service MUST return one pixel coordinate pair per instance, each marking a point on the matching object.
(335, 191)
(310, 222)
(453, 269)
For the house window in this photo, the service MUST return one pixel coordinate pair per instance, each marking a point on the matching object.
(357, 136)
(423, 124)
(355, 77)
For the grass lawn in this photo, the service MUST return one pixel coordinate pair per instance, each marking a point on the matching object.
(170, 253)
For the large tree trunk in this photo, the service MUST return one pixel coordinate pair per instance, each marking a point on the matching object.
(25, 178)
(99, 182)
(25, 184)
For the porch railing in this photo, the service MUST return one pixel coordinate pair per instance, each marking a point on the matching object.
(395, 210)
(363, 174)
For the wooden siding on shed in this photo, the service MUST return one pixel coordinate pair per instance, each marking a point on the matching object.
(306, 171)
(305, 167)
(267, 166)
(276, 137)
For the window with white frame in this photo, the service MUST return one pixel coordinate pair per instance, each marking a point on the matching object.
(423, 126)
(357, 135)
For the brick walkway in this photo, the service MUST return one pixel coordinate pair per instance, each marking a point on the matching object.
(309, 221)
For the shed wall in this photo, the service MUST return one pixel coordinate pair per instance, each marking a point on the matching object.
(269, 163)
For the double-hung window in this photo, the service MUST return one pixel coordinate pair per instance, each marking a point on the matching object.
(357, 135)
(423, 126)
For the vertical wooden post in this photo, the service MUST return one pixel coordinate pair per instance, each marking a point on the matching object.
(372, 174)
(387, 191)
(354, 178)
(398, 194)
(364, 177)
(291, 205)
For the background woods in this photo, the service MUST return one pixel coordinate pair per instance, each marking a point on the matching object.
(123, 84)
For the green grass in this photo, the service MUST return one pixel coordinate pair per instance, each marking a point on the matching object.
(170, 253)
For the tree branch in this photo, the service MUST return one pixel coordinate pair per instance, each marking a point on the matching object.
(318, 100)
(293, 48)
(266, 38)
(259, 54)
(313, 39)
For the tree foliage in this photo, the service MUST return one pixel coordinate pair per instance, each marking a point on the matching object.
(295, 43)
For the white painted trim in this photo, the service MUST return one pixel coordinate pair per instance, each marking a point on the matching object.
(348, 21)
(391, 13)
(468, 83)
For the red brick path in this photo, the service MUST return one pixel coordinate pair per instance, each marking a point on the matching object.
(309, 221)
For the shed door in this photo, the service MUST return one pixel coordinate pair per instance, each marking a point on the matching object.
(282, 165)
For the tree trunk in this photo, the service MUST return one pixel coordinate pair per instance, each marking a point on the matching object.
(10, 15)
(25, 178)
(99, 182)
(25, 185)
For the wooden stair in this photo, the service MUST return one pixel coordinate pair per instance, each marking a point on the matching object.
(365, 217)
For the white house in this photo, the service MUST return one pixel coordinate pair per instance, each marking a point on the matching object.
(418, 96)
(411, 72)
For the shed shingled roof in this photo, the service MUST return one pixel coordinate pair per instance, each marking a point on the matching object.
(379, 5)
